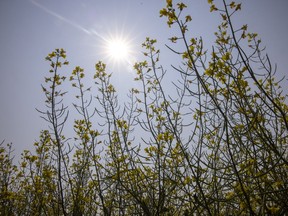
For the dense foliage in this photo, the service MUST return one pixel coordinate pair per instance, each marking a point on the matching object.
(217, 147)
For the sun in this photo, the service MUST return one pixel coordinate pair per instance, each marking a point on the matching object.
(118, 49)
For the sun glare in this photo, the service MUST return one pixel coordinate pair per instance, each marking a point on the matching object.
(118, 49)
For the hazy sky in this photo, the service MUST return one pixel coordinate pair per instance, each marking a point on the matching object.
(29, 30)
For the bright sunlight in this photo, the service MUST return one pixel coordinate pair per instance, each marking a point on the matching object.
(118, 49)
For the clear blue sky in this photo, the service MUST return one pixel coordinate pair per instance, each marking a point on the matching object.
(29, 30)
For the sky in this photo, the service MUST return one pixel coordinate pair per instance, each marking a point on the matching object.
(30, 29)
